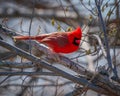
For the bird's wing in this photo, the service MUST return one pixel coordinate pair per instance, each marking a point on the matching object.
(40, 37)
(58, 39)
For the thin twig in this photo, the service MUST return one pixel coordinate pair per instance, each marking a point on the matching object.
(105, 38)
(34, 74)
(36, 85)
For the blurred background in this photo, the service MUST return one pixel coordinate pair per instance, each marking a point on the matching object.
(35, 17)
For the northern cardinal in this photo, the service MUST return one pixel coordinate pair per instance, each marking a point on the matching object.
(59, 42)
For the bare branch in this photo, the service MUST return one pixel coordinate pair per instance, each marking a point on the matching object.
(36, 85)
(68, 63)
(33, 74)
(50, 67)
(16, 64)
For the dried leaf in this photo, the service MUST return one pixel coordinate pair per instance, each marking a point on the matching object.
(109, 13)
(39, 30)
(59, 27)
(66, 9)
(69, 29)
(14, 39)
(88, 52)
(90, 17)
(53, 22)
(113, 32)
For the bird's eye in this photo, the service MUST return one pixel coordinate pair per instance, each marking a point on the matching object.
(76, 41)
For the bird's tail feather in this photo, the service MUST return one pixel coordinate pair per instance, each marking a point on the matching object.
(24, 37)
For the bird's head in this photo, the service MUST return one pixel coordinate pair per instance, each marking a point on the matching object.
(76, 36)
(78, 33)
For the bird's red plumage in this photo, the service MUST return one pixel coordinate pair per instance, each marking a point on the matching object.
(59, 42)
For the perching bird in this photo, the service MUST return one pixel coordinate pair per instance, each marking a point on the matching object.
(59, 42)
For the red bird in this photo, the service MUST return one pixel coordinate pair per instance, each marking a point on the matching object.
(59, 42)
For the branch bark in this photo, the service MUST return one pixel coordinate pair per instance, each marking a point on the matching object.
(100, 84)
(51, 68)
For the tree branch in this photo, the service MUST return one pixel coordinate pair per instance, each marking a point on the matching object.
(105, 39)
(99, 79)
(78, 80)
(16, 64)
(34, 74)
